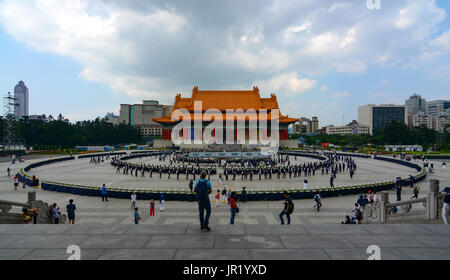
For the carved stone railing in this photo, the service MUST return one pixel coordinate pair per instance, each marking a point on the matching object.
(43, 211)
(423, 210)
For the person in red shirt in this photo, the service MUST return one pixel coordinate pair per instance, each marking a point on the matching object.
(217, 198)
(233, 207)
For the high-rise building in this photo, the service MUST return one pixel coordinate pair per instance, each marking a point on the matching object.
(415, 104)
(142, 115)
(438, 107)
(21, 96)
(432, 114)
(111, 118)
(305, 125)
(378, 116)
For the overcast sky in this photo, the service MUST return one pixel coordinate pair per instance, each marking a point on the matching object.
(83, 58)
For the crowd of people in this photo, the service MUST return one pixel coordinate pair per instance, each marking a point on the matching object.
(279, 166)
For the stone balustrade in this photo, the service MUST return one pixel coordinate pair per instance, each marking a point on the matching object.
(423, 210)
(16, 217)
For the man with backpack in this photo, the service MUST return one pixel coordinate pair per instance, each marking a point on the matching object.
(203, 188)
(288, 208)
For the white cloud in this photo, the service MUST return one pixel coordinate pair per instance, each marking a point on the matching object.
(148, 48)
(339, 95)
(385, 82)
(324, 88)
(352, 67)
(287, 83)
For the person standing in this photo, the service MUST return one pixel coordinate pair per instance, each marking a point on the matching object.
(162, 202)
(305, 183)
(71, 212)
(446, 206)
(104, 193)
(16, 182)
(203, 188)
(35, 182)
(133, 200)
(152, 208)
(191, 185)
(398, 188)
(55, 213)
(217, 198)
(244, 195)
(224, 194)
(233, 207)
(137, 217)
(288, 208)
(8, 170)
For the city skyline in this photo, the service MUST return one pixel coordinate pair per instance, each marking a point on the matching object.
(316, 62)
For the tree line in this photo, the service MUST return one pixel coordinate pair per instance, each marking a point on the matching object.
(393, 134)
(60, 132)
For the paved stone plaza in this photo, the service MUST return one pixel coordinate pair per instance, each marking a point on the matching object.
(90, 210)
(82, 172)
(238, 242)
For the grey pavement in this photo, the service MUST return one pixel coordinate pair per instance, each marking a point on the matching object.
(238, 242)
(90, 210)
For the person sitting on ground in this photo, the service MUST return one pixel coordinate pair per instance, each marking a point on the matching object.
(347, 220)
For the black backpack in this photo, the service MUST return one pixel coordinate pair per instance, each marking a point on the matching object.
(291, 208)
(202, 189)
(224, 192)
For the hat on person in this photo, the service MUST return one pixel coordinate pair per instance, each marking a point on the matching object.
(447, 190)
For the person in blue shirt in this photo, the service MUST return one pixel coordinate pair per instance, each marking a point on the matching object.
(104, 193)
(71, 212)
(137, 217)
(203, 188)
(55, 213)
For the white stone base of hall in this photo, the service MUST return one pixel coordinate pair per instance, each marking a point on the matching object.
(223, 147)
(160, 143)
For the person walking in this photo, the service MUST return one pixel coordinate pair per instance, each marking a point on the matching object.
(104, 193)
(203, 188)
(152, 208)
(133, 200)
(71, 212)
(446, 206)
(8, 170)
(305, 183)
(233, 207)
(416, 192)
(288, 208)
(137, 217)
(318, 201)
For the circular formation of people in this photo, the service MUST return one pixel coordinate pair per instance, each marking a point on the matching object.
(178, 166)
